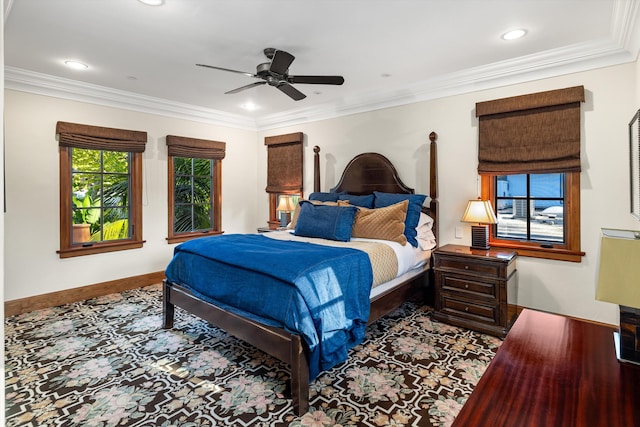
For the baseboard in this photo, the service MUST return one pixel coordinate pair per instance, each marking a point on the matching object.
(53, 299)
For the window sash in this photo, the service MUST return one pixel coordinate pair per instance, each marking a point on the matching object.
(215, 202)
(67, 248)
(570, 250)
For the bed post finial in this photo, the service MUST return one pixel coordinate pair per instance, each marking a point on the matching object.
(433, 180)
(316, 168)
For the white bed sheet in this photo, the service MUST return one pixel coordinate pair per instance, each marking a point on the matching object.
(411, 260)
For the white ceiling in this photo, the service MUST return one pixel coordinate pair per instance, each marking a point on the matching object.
(390, 52)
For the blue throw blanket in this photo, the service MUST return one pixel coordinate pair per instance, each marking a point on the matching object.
(319, 292)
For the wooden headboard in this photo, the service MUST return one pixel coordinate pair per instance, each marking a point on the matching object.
(369, 172)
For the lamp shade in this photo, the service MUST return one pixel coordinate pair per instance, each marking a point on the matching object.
(285, 204)
(619, 273)
(479, 211)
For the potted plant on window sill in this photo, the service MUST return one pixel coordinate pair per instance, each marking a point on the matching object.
(83, 216)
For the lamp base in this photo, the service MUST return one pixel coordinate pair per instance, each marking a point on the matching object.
(480, 237)
(285, 219)
(627, 339)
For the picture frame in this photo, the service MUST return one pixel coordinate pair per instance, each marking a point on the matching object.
(634, 164)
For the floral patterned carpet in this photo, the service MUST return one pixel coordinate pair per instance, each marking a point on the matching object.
(107, 362)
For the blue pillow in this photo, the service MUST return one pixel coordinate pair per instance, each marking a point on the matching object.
(324, 197)
(413, 211)
(365, 201)
(325, 222)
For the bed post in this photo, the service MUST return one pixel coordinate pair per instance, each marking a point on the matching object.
(433, 181)
(168, 308)
(316, 168)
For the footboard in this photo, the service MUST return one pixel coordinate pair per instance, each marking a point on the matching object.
(277, 342)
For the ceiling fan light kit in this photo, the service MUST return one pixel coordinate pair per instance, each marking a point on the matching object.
(276, 73)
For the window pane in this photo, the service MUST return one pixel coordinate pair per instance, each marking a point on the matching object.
(202, 190)
(116, 190)
(182, 189)
(116, 161)
(512, 186)
(202, 217)
(182, 166)
(182, 219)
(546, 185)
(202, 167)
(85, 160)
(116, 224)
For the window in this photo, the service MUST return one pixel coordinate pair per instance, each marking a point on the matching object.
(195, 187)
(529, 161)
(536, 213)
(100, 189)
(284, 170)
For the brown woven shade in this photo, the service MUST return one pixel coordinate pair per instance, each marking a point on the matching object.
(535, 133)
(100, 138)
(181, 146)
(284, 163)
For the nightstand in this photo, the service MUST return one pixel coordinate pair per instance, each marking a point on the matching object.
(471, 288)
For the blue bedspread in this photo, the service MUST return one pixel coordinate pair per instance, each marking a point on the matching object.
(319, 292)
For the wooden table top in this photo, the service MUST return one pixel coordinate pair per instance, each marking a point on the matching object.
(555, 371)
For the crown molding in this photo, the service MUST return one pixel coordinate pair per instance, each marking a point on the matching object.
(44, 84)
(621, 47)
(572, 59)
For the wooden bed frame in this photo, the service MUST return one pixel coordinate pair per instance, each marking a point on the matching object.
(365, 174)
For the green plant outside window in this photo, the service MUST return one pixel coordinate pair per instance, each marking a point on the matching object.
(193, 193)
(100, 182)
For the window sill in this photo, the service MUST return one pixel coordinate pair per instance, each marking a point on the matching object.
(98, 248)
(188, 236)
(558, 254)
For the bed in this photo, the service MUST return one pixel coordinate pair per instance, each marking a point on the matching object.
(190, 287)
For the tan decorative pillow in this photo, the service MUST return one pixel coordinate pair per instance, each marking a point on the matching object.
(382, 223)
(294, 217)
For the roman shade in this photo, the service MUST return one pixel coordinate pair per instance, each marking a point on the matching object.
(100, 138)
(181, 146)
(284, 163)
(535, 133)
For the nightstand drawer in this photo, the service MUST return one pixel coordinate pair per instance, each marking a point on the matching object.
(467, 266)
(462, 285)
(468, 310)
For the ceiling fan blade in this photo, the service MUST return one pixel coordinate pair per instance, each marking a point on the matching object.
(281, 61)
(293, 93)
(227, 69)
(241, 88)
(317, 80)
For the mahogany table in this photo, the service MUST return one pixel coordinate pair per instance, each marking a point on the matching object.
(555, 371)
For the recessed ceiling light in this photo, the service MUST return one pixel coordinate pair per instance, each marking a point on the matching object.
(514, 34)
(152, 2)
(249, 106)
(76, 65)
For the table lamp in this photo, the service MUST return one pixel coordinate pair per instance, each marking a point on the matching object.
(619, 283)
(479, 211)
(285, 207)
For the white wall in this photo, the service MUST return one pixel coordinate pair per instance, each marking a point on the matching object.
(401, 134)
(32, 171)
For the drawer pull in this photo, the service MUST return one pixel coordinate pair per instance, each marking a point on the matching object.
(466, 309)
(466, 267)
(466, 286)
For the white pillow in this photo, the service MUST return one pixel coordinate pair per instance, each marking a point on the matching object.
(425, 237)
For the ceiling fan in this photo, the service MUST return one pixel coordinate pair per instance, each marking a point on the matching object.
(276, 73)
